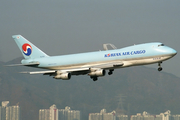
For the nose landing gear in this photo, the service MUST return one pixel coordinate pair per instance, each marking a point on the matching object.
(160, 68)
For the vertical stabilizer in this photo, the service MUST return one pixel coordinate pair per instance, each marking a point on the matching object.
(28, 50)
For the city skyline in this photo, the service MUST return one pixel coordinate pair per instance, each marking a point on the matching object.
(8, 112)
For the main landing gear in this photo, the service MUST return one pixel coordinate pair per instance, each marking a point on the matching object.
(94, 78)
(110, 72)
(160, 68)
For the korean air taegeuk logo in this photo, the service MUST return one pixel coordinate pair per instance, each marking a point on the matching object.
(27, 49)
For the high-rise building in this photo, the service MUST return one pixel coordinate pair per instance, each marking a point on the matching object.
(2, 113)
(59, 114)
(161, 116)
(144, 116)
(102, 115)
(122, 117)
(13, 113)
(174, 117)
(95, 116)
(44, 114)
(9, 112)
(5, 103)
(68, 114)
(53, 112)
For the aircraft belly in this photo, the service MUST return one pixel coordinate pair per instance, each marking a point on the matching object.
(145, 61)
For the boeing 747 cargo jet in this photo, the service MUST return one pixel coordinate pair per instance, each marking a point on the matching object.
(93, 64)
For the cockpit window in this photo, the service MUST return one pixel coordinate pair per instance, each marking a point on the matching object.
(160, 45)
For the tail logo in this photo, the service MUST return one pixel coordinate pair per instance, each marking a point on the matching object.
(27, 49)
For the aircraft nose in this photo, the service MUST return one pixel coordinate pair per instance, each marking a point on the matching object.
(173, 52)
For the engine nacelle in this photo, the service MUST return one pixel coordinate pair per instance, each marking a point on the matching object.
(63, 76)
(97, 72)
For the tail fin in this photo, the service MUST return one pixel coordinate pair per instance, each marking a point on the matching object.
(28, 50)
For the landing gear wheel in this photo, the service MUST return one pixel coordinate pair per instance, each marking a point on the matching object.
(160, 69)
(110, 72)
(95, 79)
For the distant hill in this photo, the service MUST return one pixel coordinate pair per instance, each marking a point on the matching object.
(141, 89)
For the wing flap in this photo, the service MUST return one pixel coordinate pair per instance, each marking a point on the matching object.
(50, 72)
(42, 72)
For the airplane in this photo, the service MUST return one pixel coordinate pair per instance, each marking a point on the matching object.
(94, 64)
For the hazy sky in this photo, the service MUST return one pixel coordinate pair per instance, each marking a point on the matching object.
(71, 26)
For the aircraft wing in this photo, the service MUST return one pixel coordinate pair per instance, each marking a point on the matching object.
(81, 70)
(40, 72)
(52, 72)
(28, 64)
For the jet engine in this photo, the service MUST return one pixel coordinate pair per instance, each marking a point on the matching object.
(63, 76)
(97, 72)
